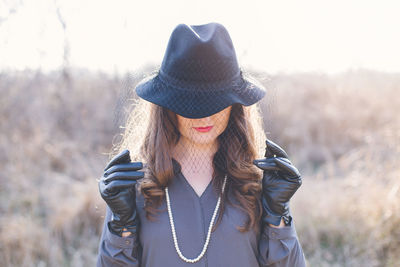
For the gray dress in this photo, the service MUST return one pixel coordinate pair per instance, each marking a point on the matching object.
(192, 215)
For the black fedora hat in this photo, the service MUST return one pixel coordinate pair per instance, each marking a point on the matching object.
(199, 74)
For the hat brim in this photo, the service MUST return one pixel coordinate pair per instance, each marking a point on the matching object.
(203, 102)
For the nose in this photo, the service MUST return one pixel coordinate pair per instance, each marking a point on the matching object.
(205, 121)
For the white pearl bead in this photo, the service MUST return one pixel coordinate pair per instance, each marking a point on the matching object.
(171, 220)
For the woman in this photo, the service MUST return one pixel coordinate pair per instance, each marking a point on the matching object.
(200, 199)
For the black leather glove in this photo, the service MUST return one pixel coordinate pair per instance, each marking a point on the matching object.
(117, 188)
(280, 181)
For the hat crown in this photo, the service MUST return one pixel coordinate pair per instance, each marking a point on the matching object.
(200, 53)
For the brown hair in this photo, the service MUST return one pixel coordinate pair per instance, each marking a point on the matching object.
(151, 132)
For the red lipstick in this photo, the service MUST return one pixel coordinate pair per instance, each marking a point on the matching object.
(203, 129)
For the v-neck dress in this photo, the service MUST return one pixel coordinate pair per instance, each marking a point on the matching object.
(228, 247)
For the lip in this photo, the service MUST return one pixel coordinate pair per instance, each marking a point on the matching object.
(203, 129)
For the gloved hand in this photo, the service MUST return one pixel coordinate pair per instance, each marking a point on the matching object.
(280, 181)
(117, 188)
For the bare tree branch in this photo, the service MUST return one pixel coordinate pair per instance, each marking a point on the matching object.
(11, 7)
(63, 23)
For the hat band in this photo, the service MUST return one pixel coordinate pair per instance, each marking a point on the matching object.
(236, 81)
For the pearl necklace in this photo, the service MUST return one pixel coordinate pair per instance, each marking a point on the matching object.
(171, 221)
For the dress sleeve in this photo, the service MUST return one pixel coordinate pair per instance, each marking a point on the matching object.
(280, 247)
(115, 250)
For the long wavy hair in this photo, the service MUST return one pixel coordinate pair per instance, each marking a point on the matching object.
(151, 132)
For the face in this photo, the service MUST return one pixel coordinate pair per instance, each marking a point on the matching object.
(205, 130)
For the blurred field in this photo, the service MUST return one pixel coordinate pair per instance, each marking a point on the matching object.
(341, 131)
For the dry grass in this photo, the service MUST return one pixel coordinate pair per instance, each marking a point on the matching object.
(341, 131)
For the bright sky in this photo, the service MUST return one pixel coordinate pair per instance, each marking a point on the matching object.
(120, 35)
